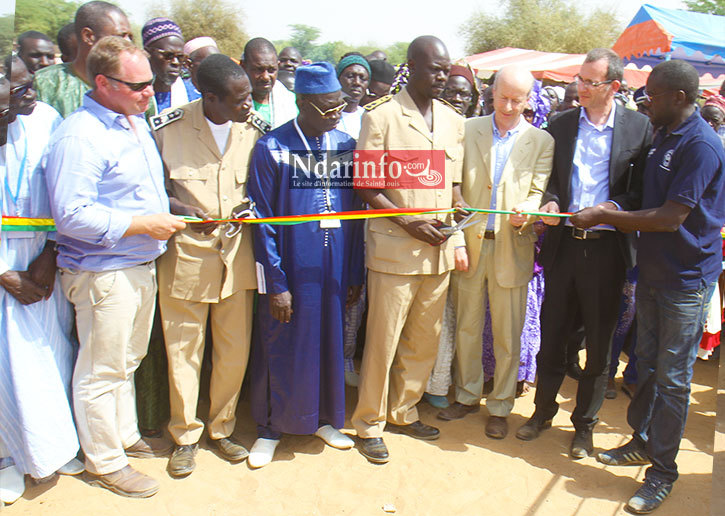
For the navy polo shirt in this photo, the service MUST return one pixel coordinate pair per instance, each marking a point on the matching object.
(686, 166)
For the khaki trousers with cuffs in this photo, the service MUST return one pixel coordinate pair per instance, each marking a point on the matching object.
(405, 314)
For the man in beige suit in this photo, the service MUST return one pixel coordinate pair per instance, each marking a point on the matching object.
(408, 258)
(506, 166)
(206, 147)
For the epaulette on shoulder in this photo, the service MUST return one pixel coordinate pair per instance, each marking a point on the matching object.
(448, 104)
(260, 123)
(165, 118)
(377, 102)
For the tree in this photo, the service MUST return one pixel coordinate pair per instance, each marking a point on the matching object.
(707, 6)
(545, 25)
(304, 38)
(7, 34)
(46, 16)
(218, 19)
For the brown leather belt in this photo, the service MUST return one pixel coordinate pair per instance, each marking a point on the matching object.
(489, 234)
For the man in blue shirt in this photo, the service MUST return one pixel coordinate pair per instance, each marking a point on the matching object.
(679, 258)
(106, 186)
(599, 155)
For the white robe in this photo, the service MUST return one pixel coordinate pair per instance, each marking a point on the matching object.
(36, 351)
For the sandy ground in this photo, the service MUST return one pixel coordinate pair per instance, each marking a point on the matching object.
(461, 473)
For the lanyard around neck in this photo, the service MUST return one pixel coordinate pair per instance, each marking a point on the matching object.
(21, 171)
(304, 139)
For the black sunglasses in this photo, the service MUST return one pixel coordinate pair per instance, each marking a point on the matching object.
(21, 90)
(133, 86)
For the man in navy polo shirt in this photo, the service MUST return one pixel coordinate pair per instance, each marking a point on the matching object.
(679, 257)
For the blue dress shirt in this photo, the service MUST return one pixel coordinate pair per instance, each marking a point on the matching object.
(590, 173)
(500, 152)
(101, 173)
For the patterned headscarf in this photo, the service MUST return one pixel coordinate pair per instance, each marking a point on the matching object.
(540, 104)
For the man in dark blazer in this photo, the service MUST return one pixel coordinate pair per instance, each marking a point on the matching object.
(600, 150)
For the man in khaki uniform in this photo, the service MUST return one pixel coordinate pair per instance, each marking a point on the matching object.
(408, 258)
(206, 146)
(506, 166)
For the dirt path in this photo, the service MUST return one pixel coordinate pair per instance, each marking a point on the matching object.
(462, 473)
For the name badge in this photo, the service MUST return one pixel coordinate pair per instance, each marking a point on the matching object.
(329, 223)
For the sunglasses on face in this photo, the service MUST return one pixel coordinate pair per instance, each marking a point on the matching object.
(168, 55)
(330, 112)
(133, 86)
(21, 90)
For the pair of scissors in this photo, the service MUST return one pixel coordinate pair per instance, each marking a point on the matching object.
(447, 230)
(233, 228)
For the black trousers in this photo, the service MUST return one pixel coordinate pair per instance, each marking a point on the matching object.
(586, 279)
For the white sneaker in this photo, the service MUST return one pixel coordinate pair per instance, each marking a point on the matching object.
(12, 484)
(262, 452)
(334, 438)
(352, 379)
(74, 467)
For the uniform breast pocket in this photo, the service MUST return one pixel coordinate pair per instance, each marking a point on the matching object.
(189, 173)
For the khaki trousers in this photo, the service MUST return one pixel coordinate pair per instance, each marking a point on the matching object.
(114, 312)
(184, 324)
(404, 324)
(508, 313)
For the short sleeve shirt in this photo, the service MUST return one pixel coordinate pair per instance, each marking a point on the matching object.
(686, 166)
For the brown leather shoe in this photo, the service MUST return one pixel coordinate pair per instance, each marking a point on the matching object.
(458, 411)
(418, 430)
(497, 427)
(230, 449)
(148, 447)
(125, 482)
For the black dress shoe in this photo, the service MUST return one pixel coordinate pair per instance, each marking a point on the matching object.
(532, 428)
(182, 461)
(582, 445)
(230, 449)
(418, 430)
(374, 450)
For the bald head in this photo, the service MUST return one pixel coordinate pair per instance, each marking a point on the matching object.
(516, 78)
(426, 47)
(511, 90)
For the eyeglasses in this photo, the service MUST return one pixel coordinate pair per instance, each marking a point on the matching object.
(168, 55)
(21, 90)
(589, 84)
(330, 112)
(4, 113)
(457, 93)
(133, 86)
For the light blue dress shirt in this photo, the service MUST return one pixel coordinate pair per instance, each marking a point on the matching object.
(500, 152)
(590, 172)
(100, 174)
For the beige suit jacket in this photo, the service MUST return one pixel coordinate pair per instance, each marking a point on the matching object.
(197, 267)
(398, 125)
(522, 184)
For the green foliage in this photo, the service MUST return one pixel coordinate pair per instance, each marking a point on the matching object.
(304, 38)
(707, 6)
(6, 34)
(545, 25)
(218, 19)
(46, 16)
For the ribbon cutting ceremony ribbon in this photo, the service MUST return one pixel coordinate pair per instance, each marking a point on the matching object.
(10, 223)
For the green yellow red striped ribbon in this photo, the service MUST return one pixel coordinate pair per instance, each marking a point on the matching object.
(10, 223)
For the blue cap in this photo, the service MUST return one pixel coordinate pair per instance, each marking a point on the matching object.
(316, 78)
